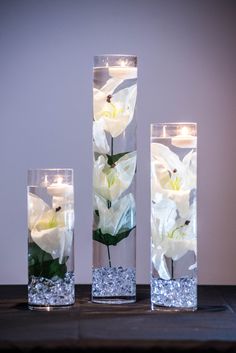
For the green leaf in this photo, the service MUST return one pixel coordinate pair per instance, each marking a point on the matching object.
(108, 239)
(114, 158)
(41, 263)
(56, 269)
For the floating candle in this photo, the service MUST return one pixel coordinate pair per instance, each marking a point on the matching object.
(184, 139)
(123, 71)
(59, 188)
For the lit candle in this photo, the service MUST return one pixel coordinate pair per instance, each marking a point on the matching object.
(59, 188)
(184, 139)
(123, 71)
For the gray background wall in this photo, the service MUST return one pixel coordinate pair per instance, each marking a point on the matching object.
(187, 55)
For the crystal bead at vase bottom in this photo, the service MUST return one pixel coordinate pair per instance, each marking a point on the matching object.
(113, 281)
(176, 293)
(51, 292)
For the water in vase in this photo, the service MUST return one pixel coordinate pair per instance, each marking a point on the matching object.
(114, 147)
(173, 216)
(50, 245)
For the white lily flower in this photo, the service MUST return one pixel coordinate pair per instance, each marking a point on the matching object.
(115, 110)
(100, 143)
(170, 237)
(111, 181)
(53, 232)
(100, 95)
(56, 241)
(120, 216)
(172, 177)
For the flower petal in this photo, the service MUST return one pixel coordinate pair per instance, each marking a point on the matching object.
(111, 85)
(36, 208)
(118, 113)
(163, 216)
(181, 198)
(165, 157)
(110, 182)
(159, 262)
(171, 236)
(176, 248)
(55, 241)
(120, 216)
(99, 137)
(100, 96)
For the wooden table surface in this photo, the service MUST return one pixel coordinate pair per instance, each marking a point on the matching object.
(88, 327)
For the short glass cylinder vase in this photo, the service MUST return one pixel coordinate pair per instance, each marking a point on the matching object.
(50, 239)
(174, 216)
(114, 170)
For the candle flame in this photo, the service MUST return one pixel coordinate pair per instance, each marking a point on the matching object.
(123, 63)
(59, 180)
(184, 131)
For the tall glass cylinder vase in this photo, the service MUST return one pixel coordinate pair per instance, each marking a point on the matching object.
(50, 239)
(114, 147)
(174, 216)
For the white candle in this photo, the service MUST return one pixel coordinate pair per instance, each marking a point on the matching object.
(59, 188)
(123, 72)
(184, 139)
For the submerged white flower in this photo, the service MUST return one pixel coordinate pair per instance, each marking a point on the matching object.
(51, 230)
(173, 213)
(56, 241)
(100, 95)
(115, 110)
(111, 181)
(172, 237)
(119, 217)
(172, 177)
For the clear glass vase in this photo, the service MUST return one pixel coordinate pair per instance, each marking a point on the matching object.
(114, 149)
(50, 239)
(174, 216)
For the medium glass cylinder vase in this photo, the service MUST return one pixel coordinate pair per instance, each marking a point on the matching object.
(50, 239)
(174, 216)
(114, 169)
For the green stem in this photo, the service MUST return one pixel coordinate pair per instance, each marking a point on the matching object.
(111, 146)
(108, 249)
(109, 206)
(109, 256)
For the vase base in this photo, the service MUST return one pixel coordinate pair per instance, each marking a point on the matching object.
(160, 308)
(114, 300)
(49, 307)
